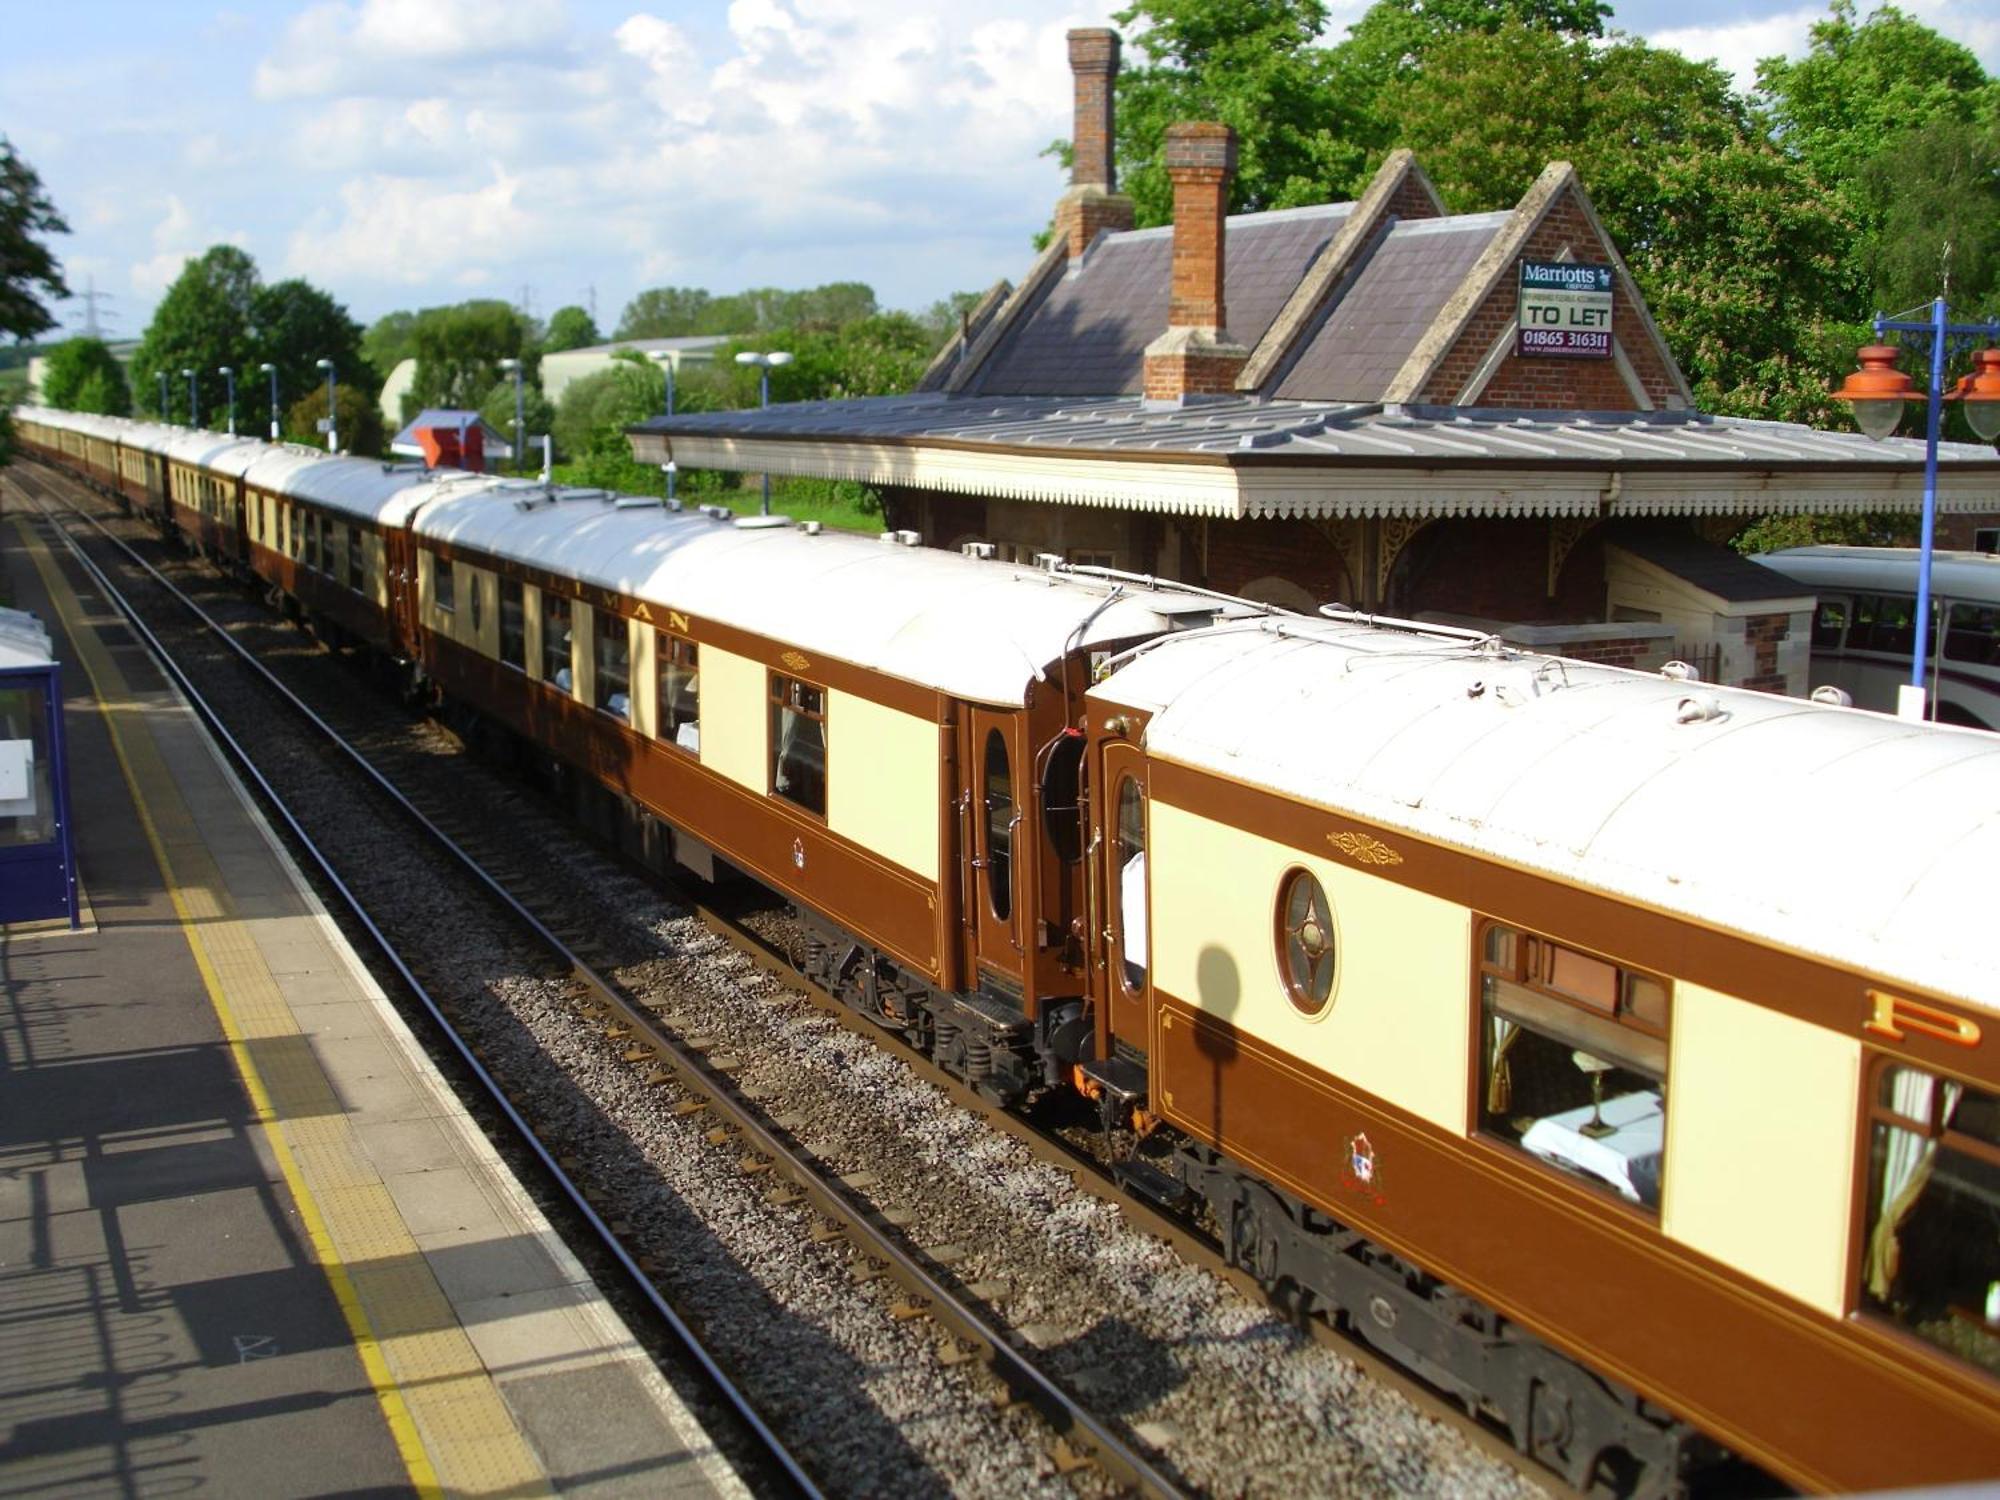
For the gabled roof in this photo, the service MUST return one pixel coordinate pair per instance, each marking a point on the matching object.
(450, 420)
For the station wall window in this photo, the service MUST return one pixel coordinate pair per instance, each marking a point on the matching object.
(611, 654)
(679, 662)
(444, 588)
(1931, 1241)
(556, 641)
(1573, 1060)
(798, 742)
(513, 624)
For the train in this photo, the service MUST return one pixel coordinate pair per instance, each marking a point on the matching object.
(1614, 1050)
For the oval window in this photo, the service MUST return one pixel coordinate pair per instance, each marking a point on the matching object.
(999, 827)
(1306, 948)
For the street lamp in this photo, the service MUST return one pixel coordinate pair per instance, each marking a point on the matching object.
(163, 397)
(272, 371)
(666, 359)
(194, 419)
(765, 364)
(513, 367)
(228, 374)
(332, 422)
(1878, 390)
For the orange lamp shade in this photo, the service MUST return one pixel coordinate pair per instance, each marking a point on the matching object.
(1878, 390)
(1980, 391)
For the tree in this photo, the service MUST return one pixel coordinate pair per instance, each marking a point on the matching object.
(296, 326)
(390, 339)
(570, 328)
(596, 410)
(82, 374)
(27, 218)
(360, 426)
(1935, 192)
(538, 414)
(663, 312)
(459, 349)
(207, 319)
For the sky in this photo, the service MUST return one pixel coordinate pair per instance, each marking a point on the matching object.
(406, 153)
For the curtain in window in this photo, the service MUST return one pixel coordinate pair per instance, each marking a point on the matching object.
(1907, 1160)
(1501, 1033)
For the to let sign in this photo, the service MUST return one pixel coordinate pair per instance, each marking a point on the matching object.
(1565, 309)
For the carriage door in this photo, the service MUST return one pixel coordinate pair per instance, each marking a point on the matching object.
(1120, 846)
(399, 562)
(994, 777)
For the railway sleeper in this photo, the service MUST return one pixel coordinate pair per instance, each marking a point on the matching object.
(1599, 1436)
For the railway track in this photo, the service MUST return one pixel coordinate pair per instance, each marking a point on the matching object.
(702, 1071)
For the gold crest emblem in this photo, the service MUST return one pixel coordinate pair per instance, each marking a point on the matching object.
(1362, 849)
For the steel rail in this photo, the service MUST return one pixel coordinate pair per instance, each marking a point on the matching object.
(1065, 1414)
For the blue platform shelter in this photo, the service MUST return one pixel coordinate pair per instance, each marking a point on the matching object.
(37, 850)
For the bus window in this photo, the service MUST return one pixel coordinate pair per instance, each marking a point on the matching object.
(1829, 625)
(1972, 634)
(1883, 622)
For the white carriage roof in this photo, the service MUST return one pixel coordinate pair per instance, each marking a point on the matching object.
(977, 630)
(386, 494)
(1241, 456)
(1964, 575)
(1757, 821)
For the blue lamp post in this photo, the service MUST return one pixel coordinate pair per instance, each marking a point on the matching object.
(1877, 391)
(228, 374)
(513, 368)
(272, 371)
(765, 364)
(194, 417)
(332, 417)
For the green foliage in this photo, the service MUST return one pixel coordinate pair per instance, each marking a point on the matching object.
(459, 349)
(359, 429)
(1935, 193)
(6, 437)
(538, 415)
(28, 272)
(570, 328)
(82, 374)
(596, 410)
(390, 339)
(1872, 529)
(678, 311)
(206, 320)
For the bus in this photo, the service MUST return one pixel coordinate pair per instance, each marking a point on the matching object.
(1864, 628)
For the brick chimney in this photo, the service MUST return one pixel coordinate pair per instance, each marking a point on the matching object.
(1093, 203)
(1196, 356)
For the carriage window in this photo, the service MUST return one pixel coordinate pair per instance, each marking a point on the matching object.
(444, 587)
(1972, 633)
(328, 562)
(1573, 1060)
(1829, 624)
(513, 624)
(1307, 956)
(1131, 892)
(357, 563)
(312, 542)
(1061, 810)
(555, 641)
(798, 742)
(265, 538)
(1931, 1256)
(999, 826)
(680, 691)
(611, 647)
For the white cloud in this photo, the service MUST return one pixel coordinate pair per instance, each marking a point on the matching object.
(1740, 45)
(386, 46)
(399, 230)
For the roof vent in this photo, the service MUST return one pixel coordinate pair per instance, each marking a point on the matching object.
(717, 512)
(1699, 708)
(1832, 696)
(887, 536)
(761, 523)
(984, 551)
(910, 538)
(1680, 671)
(810, 528)
(1049, 562)
(635, 502)
(676, 506)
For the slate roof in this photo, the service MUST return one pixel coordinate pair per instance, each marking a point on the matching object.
(1709, 566)
(1368, 333)
(1087, 335)
(496, 446)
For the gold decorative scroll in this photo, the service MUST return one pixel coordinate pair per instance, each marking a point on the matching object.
(1364, 850)
(796, 661)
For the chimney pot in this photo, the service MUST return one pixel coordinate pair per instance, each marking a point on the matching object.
(1092, 204)
(1196, 356)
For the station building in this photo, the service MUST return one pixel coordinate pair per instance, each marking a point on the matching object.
(1465, 417)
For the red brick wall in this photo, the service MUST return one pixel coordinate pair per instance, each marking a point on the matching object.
(1547, 383)
(1954, 532)
(1497, 568)
(1618, 652)
(1410, 201)
(1240, 552)
(1761, 633)
(1168, 376)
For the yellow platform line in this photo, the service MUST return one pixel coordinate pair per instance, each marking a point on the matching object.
(450, 1425)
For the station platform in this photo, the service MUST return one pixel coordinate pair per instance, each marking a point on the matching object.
(249, 1242)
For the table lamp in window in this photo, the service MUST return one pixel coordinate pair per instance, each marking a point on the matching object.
(1595, 1127)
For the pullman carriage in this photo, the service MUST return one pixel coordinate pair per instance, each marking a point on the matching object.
(205, 491)
(876, 730)
(1576, 988)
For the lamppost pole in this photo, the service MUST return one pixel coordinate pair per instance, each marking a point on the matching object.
(228, 374)
(332, 419)
(764, 363)
(194, 418)
(1878, 390)
(272, 371)
(513, 366)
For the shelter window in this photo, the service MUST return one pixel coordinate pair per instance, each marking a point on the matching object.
(556, 641)
(1829, 624)
(611, 646)
(798, 742)
(1931, 1251)
(1000, 822)
(513, 624)
(1130, 891)
(1972, 633)
(680, 691)
(357, 561)
(1573, 1060)
(444, 588)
